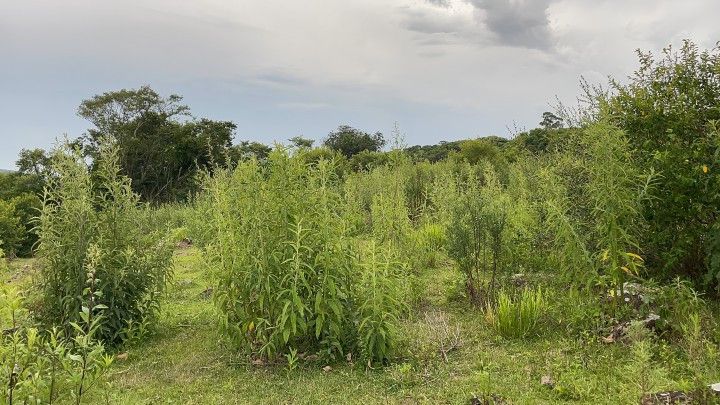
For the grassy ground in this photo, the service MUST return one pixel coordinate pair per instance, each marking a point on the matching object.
(186, 361)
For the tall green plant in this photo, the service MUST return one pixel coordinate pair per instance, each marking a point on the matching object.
(379, 296)
(97, 211)
(615, 190)
(290, 276)
(478, 233)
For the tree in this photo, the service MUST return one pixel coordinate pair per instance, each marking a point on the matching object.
(301, 143)
(350, 141)
(33, 162)
(551, 121)
(247, 149)
(159, 150)
(433, 153)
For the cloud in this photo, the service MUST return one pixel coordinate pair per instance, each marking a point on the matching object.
(444, 69)
(520, 23)
(440, 3)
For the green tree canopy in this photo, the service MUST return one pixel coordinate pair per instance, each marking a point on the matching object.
(301, 143)
(160, 148)
(350, 141)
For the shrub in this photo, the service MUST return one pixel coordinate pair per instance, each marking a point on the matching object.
(99, 213)
(12, 232)
(42, 367)
(289, 275)
(669, 109)
(27, 208)
(516, 317)
(478, 232)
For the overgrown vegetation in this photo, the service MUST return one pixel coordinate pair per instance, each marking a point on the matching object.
(576, 263)
(92, 240)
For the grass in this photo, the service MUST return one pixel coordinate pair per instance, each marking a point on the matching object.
(186, 362)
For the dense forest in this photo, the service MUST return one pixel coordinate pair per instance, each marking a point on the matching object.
(156, 259)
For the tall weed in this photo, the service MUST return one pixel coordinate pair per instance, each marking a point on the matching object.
(97, 211)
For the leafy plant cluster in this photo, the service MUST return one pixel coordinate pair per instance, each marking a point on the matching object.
(38, 366)
(93, 221)
(291, 277)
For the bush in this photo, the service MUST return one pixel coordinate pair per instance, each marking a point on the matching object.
(669, 110)
(45, 366)
(516, 317)
(98, 213)
(27, 208)
(12, 232)
(290, 277)
(478, 233)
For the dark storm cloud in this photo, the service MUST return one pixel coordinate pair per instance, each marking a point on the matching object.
(518, 23)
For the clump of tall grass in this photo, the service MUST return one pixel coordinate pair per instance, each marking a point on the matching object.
(516, 317)
(97, 211)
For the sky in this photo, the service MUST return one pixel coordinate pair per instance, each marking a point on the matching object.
(441, 69)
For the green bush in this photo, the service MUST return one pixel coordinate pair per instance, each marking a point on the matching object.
(85, 212)
(516, 317)
(12, 233)
(44, 367)
(478, 233)
(27, 208)
(290, 277)
(669, 110)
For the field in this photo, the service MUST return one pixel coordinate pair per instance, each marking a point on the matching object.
(576, 264)
(187, 362)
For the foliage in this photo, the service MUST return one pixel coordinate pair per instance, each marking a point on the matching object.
(350, 141)
(15, 184)
(19, 204)
(516, 317)
(616, 193)
(379, 295)
(477, 234)
(367, 160)
(289, 274)
(301, 143)
(247, 150)
(669, 111)
(95, 221)
(33, 162)
(433, 153)
(551, 121)
(159, 153)
(47, 367)
(480, 151)
(12, 232)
